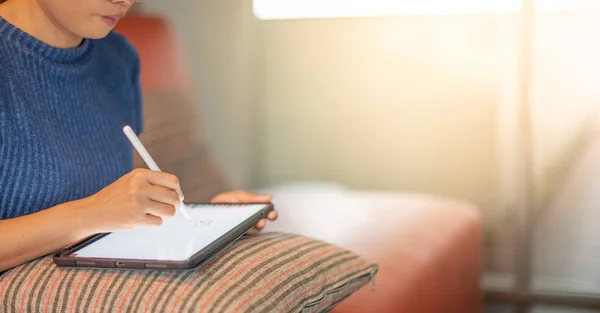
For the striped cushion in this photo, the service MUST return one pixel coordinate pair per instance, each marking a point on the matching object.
(271, 272)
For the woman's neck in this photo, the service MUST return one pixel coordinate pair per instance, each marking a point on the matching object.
(28, 16)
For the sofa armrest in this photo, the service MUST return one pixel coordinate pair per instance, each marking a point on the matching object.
(428, 247)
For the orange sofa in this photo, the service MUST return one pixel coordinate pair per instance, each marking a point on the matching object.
(428, 248)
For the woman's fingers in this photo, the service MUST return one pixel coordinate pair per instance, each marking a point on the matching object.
(165, 180)
(152, 220)
(241, 197)
(163, 195)
(160, 210)
(261, 224)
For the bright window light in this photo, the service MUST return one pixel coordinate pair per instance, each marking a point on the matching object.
(564, 4)
(294, 9)
(297, 9)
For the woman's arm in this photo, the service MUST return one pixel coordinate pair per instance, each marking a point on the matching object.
(140, 198)
(29, 237)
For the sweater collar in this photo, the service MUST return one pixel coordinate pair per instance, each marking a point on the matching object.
(14, 34)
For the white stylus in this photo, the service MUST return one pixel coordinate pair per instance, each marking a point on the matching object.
(137, 144)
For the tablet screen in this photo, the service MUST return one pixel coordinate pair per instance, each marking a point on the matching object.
(177, 239)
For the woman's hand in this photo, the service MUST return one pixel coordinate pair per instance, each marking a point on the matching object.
(139, 198)
(246, 197)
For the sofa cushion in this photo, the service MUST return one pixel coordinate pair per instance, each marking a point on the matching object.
(172, 133)
(271, 272)
(428, 248)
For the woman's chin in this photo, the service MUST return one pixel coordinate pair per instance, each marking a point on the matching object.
(98, 29)
(98, 33)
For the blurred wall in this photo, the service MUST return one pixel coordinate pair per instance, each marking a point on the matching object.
(422, 104)
(405, 103)
(426, 104)
(218, 37)
(565, 93)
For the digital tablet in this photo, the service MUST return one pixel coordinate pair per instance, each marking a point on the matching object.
(177, 244)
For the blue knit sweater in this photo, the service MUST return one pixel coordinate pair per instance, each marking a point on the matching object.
(62, 112)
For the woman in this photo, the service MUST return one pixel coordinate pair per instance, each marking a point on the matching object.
(68, 85)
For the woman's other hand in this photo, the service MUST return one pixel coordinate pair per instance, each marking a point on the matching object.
(246, 197)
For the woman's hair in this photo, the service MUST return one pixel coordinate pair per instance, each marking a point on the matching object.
(2, 1)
